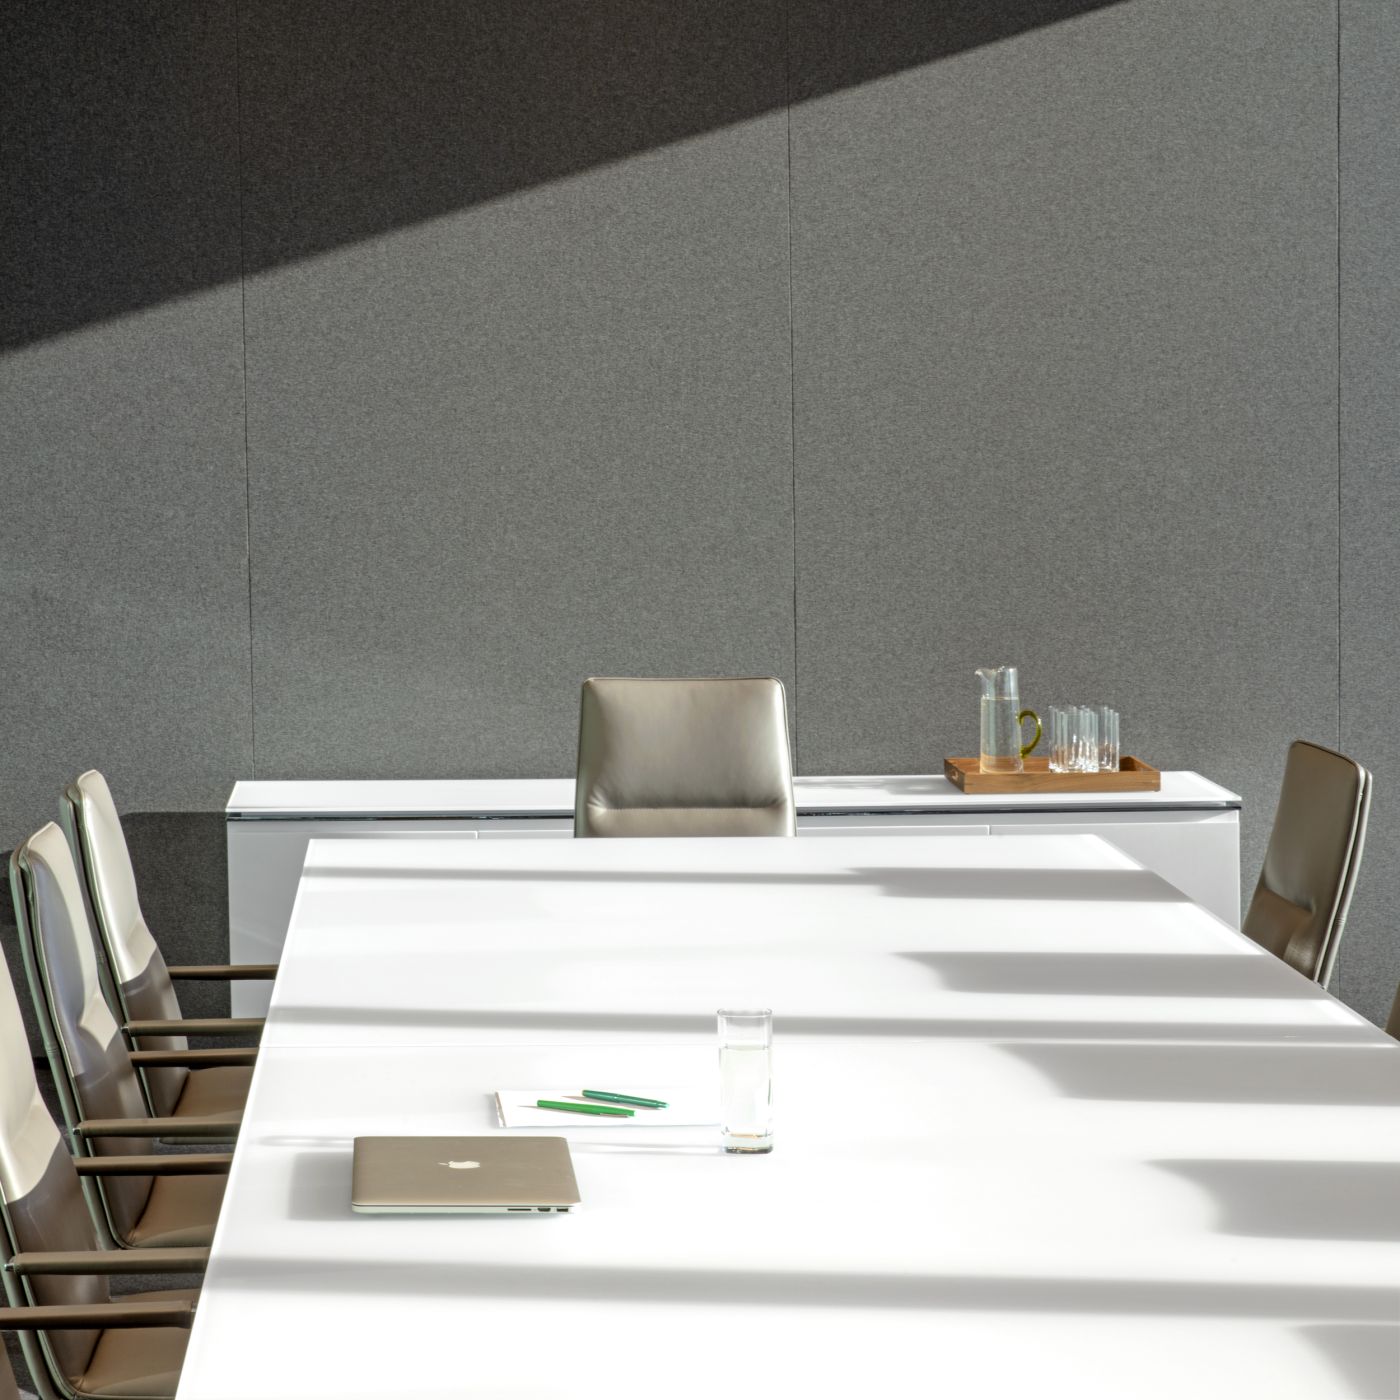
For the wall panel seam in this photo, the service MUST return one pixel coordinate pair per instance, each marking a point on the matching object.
(792, 382)
(1338, 197)
(243, 328)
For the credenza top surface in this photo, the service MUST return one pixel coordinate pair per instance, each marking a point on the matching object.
(467, 798)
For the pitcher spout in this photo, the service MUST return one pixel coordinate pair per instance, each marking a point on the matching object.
(998, 682)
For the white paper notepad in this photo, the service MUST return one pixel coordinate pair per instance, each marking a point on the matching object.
(686, 1106)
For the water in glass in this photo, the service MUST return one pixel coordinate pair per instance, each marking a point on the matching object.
(746, 1080)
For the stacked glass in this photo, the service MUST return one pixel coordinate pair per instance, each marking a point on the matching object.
(1108, 740)
(1083, 739)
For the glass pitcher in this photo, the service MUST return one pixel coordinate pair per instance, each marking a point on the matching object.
(1002, 717)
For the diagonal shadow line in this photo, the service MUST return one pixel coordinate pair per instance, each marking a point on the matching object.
(132, 130)
(1027, 973)
(1366, 1356)
(1360, 1073)
(1304, 1200)
(913, 882)
(773, 1288)
(1204, 1033)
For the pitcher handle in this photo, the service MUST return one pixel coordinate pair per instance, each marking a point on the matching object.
(1021, 719)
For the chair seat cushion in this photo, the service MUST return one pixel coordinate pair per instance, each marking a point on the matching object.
(180, 1211)
(218, 1092)
(139, 1363)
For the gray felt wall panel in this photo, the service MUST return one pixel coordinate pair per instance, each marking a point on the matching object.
(1370, 304)
(1062, 368)
(123, 569)
(1065, 367)
(540, 437)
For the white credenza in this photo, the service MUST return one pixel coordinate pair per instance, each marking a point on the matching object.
(1188, 833)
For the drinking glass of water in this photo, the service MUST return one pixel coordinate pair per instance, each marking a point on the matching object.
(1108, 739)
(1074, 739)
(746, 1080)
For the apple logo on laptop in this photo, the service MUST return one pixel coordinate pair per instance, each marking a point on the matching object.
(459, 1166)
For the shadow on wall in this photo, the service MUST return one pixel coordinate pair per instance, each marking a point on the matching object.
(127, 125)
(182, 878)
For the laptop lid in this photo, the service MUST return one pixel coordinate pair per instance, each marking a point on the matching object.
(462, 1175)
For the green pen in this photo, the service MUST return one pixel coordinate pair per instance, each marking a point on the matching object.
(596, 1108)
(623, 1098)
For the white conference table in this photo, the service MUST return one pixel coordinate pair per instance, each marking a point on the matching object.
(1043, 1127)
(1188, 832)
(641, 940)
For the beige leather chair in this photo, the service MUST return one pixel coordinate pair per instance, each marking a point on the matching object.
(684, 757)
(135, 1348)
(55, 1267)
(1392, 1026)
(137, 983)
(95, 1073)
(1300, 905)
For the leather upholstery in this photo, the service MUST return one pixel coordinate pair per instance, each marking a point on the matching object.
(88, 1051)
(1299, 906)
(52, 1215)
(1334, 942)
(138, 1363)
(91, 1054)
(684, 757)
(218, 1092)
(40, 1195)
(180, 1211)
(9, 1389)
(28, 1135)
(42, 1209)
(143, 987)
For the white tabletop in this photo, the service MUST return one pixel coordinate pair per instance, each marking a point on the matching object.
(554, 797)
(440, 941)
(993, 1221)
(1042, 1129)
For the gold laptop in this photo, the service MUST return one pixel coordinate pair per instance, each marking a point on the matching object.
(463, 1176)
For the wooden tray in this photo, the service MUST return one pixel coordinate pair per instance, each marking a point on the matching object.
(1133, 775)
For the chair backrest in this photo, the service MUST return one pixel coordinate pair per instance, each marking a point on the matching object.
(41, 1199)
(92, 1067)
(684, 757)
(1314, 854)
(132, 965)
(1392, 1026)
